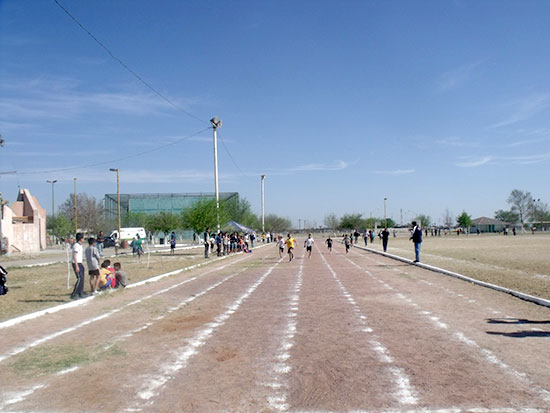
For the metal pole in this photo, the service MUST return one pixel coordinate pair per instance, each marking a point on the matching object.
(385, 219)
(75, 211)
(216, 123)
(53, 197)
(263, 211)
(118, 201)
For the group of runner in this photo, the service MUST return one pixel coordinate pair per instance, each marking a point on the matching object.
(291, 242)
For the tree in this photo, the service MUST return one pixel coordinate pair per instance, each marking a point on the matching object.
(521, 203)
(203, 215)
(89, 212)
(425, 220)
(464, 220)
(330, 221)
(352, 221)
(137, 219)
(241, 212)
(448, 218)
(507, 216)
(164, 222)
(276, 223)
(60, 226)
(390, 223)
(539, 212)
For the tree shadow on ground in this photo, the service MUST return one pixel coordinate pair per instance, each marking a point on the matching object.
(521, 334)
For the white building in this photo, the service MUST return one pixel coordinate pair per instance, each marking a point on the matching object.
(23, 225)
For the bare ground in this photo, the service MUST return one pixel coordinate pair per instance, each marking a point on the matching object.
(336, 332)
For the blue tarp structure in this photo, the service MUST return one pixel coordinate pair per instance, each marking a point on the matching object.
(237, 227)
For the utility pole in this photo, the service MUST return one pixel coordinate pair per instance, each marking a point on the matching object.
(75, 212)
(2, 143)
(401, 216)
(299, 223)
(263, 210)
(53, 197)
(385, 219)
(216, 123)
(118, 202)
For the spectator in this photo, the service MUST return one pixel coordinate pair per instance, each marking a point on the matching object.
(92, 260)
(120, 276)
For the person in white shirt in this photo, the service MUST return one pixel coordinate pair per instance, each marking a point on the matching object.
(308, 244)
(78, 267)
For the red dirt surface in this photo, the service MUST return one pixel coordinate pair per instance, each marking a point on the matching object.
(336, 332)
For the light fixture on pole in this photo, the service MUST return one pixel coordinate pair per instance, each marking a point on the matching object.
(263, 210)
(75, 211)
(53, 196)
(385, 219)
(117, 199)
(216, 123)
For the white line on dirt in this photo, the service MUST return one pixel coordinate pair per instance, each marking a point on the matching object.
(278, 381)
(106, 315)
(184, 353)
(406, 394)
(487, 354)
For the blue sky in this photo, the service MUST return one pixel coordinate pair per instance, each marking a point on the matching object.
(431, 104)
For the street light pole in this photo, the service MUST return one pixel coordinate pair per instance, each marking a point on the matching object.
(385, 219)
(75, 211)
(117, 197)
(263, 210)
(216, 123)
(53, 197)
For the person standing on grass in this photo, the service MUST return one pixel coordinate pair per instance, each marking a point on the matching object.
(206, 239)
(92, 260)
(329, 244)
(385, 236)
(290, 244)
(78, 267)
(416, 238)
(308, 244)
(139, 248)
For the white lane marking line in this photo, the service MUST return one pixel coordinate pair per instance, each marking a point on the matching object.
(17, 320)
(185, 302)
(278, 399)
(105, 315)
(406, 394)
(184, 353)
(11, 398)
(485, 353)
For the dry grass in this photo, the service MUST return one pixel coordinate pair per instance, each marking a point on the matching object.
(521, 263)
(37, 288)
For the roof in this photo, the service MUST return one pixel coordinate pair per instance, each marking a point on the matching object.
(488, 221)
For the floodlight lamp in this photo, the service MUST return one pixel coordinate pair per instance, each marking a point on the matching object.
(113, 169)
(2, 141)
(216, 123)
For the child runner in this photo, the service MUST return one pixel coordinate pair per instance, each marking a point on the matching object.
(281, 245)
(308, 244)
(347, 242)
(329, 244)
(290, 244)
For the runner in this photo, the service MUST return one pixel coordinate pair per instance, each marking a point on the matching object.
(329, 244)
(347, 241)
(308, 244)
(281, 245)
(290, 244)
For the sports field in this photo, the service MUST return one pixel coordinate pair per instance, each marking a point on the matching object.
(257, 333)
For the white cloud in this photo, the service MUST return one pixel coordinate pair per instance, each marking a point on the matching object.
(457, 76)
(523, 109)
(335, 166)
(396, 172)
(500, 160)
(457, 142)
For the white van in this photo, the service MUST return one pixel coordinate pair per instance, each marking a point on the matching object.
(129, 233)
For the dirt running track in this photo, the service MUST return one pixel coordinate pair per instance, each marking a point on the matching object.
(336, 332)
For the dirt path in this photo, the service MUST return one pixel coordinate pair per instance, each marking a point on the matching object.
(336, 332)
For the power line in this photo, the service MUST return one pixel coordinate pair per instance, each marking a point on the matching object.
(118, 159)
(230, 156)
(125, 66)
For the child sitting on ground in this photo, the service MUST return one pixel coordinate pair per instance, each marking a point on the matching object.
(106, 276)
(120, 276)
